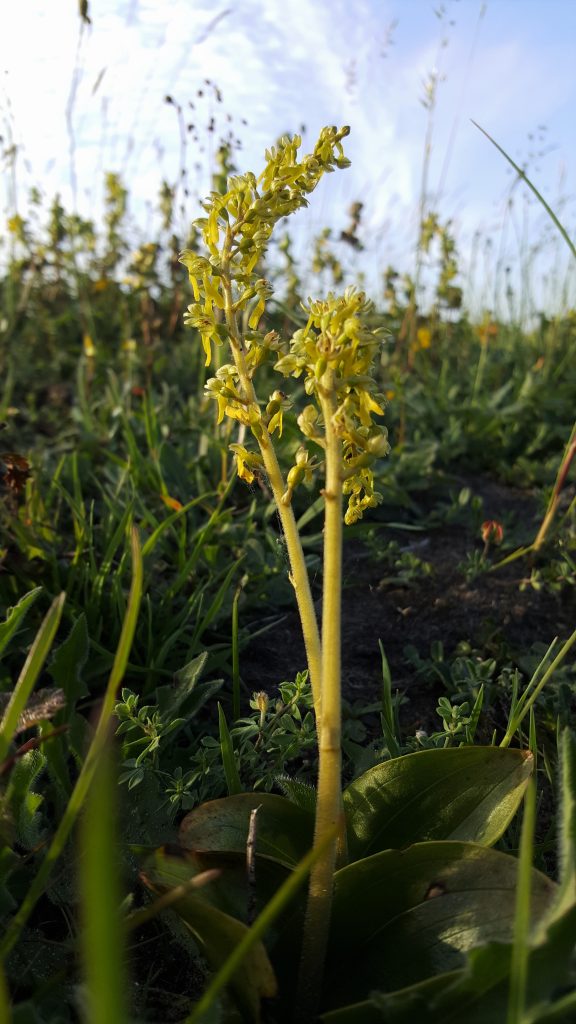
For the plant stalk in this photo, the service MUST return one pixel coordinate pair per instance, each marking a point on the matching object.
(298, 571)
(329, 812)
(569, 453)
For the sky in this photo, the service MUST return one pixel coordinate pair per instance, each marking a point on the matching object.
(78, 101)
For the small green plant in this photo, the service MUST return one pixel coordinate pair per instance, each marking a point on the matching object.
(276, 735)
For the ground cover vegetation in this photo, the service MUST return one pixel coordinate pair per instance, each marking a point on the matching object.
(287, 618)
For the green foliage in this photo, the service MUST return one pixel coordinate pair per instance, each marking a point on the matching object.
(103, 395)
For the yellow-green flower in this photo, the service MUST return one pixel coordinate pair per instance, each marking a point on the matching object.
(247, 463)
(275, 412)
(301, 471)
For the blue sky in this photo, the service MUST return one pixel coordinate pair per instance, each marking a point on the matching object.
(508, 64)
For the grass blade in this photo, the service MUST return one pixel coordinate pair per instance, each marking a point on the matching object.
(521, 946)
(102, 933)
(14, 617)
(30, 672)
(235, 658)
(524, 177)
(86, 775)
(227, 750)
(524, 704)
(388, 716)
(261, 925)
(170, 520)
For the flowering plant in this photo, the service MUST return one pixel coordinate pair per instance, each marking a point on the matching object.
(334, 353)
(376, 863)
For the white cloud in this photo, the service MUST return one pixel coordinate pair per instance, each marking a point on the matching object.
(280, 63)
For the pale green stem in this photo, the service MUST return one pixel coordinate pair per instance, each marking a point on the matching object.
(329, 814)
(569, 453)
(298, 571)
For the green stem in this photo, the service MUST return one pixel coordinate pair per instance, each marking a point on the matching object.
(569, 453)
(298, 571)
(329, 814)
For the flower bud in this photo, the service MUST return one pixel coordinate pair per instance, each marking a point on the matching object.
(492, 532)
(378, 446)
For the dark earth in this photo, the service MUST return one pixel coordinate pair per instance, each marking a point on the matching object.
(498, 612)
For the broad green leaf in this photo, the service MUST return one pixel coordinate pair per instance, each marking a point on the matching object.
(218, 934)
(479, 994)
(272, 912)
(283, 833)
(462, 793)
(68, 661)
(171, 698)
(230, 891)
(404, 915)
(15, 615)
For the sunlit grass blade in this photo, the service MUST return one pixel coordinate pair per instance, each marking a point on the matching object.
(526, 702)
(102, 934)
(14, 617)
(521, 943)
(569, 453)
(82, 786)
(235, 658)
(262, 924)
(522, 174)
(30, 672)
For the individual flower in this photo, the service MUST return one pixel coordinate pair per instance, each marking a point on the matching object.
(275, 411)
(88, 346)
(300, 472)
(360, 487)
(247, 463)
(423, 337)
(492, 532)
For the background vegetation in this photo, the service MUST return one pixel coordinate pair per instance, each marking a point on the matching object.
(106, 428)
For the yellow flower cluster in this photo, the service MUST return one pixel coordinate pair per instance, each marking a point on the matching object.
(238, 226)
(336, 350)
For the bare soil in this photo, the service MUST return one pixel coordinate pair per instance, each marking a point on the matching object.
(494, 612)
